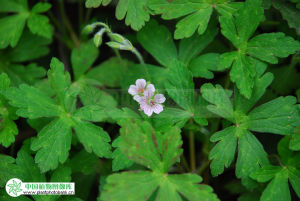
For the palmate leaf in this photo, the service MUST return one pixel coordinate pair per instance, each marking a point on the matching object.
(196, 13)
(251, 155)
(8, 169)
(8, 128)
(158, 152)
(238, 29)
(54, 140)
(278, 188)
(12, 25)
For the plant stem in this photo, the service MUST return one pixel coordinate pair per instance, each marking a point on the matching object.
(68, 24)
(192, 151)
(184, 163)
(203, 167)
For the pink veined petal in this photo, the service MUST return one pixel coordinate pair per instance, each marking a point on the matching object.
(150, 87)
(147, 110)
(157, 108)
(140, 83)
(148, 93)
(159, 98)
(132, 90)
(137, 98)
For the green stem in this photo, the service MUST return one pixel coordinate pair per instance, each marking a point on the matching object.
(192, 151)
(68, 24)
(203, 167)
(184, 162)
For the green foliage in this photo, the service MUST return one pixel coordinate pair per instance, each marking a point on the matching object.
(238, 29)
(279, 116)
(12, 25)
(154, 150)
(278, 187)
(54, 140)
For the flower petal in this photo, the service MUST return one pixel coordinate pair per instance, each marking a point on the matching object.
(137, 98)
(150, 87)
(159, 98)
(132, 90)
(148, 110)
(157, 108)
(140, 83)
(148, 93)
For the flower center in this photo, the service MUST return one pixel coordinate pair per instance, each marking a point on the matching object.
(141, 90)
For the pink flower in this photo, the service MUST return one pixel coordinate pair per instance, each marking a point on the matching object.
(137, 90)
(152, 103)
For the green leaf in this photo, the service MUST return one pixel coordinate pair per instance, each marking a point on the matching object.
(139, 144)
(197, 21)
(8, 128)
(204, 64)
(58, 78)
(189, 48)
(261, 82)
(110, 72)
(30, 171)
(141, 184)
(268, 46)
(39, 24)
(83, 162)
(223, 152)
(41, 7)
(277, 116)
(220, 100)
(170, 117)
(93, 96)
(251, 156)
(266, 173)
(197, 15)
(278, 188)
(180, 85)
(294, 178)
(8, 169)
(11, 29)
(31, 102)
(242, 73)
(158, 41)
(53, 144)
(120, 161)
(136, 13)
(93, 138)
(82, 58)
(289, 13)
(96, 3)
(11, 26)
(30, 47)
(171, 187)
